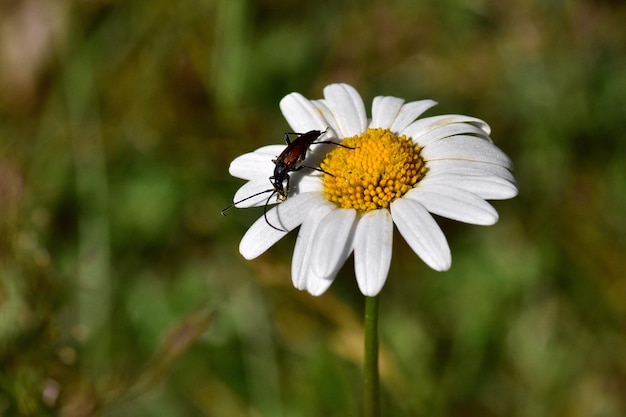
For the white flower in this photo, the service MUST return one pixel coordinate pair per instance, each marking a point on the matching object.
(394, 169)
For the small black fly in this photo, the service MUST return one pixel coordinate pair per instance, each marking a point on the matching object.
(290, 160)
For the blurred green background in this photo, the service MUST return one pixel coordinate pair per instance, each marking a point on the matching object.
(122, 292)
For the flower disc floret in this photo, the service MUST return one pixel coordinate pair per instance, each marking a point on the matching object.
(371, 170)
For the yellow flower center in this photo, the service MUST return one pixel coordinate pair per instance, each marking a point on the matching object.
(380, 168)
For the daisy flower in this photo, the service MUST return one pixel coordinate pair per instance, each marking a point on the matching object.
(394, 168)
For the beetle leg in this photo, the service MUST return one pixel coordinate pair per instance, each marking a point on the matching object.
(330, 142)
(313, 168)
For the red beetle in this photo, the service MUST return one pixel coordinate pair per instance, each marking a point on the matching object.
(290, 160)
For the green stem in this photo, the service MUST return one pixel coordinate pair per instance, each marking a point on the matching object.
(371, 379)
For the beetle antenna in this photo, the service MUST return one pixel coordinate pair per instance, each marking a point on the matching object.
(248, 198)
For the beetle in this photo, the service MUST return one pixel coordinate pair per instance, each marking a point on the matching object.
(290, 160)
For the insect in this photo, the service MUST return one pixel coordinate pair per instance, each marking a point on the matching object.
(290, 160)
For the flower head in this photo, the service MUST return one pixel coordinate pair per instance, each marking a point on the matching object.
(391, 169)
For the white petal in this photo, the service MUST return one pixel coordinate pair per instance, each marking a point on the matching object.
(301, 114)
(252, 171)
(317, 152)
(425, 125)
(259, 193)
(373, 241)
(458, 166)
(452, 129)
(333, 242)
(488, 187)
(250, 166)
(287, 215)
(385, 109)
(269, 151)
(347, 106)
(329, 117)
(409, 112)
(422, 233)
(468, 148)
(454, 203)
(301, 270)
(302, 182)
(316, 285)
(255, 193)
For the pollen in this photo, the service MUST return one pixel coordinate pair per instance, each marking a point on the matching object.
(373, 169)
